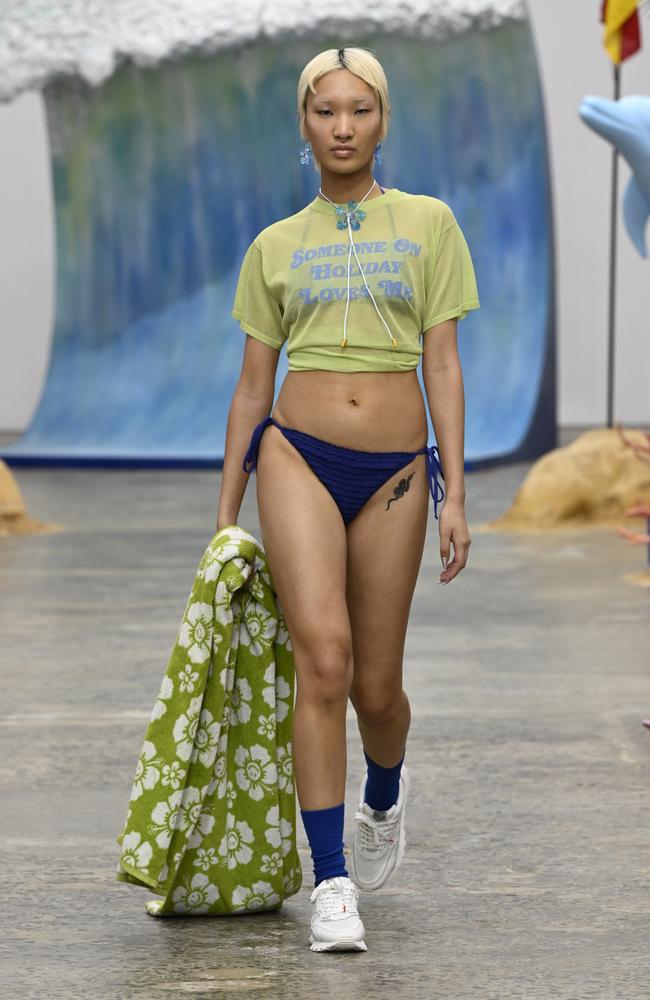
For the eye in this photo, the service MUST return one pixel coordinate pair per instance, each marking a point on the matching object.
(326, 111)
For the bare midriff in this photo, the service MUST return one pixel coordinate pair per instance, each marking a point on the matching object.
(368, 411)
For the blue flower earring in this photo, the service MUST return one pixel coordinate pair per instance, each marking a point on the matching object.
(306, 154)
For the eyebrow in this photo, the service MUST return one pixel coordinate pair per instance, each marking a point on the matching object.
(327, 100)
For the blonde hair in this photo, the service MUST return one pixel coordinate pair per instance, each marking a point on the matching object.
(362, 63)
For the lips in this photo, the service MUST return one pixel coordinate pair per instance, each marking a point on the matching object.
(346, 149)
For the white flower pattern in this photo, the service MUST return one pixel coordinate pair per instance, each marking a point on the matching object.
(188, 678)
(257, 772)
(267, 726)
(240, 710)
(195, 895)
(277, 690)
(284, 762)
(230, 793)
(196, 632)
(185, 728)
(172, 775)
(213, 564)
(205, 858)
(191, 818)
(166, 691)
(164, 818)
(206, 739)
(135, 852)
(272, 863)
(234, 846)
(279, 831)
(256, 897)
(147, 772)
(258, 629)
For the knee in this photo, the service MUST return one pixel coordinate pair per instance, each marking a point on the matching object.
(324, 667)
(379, 706)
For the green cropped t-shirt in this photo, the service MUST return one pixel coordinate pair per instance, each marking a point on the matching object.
(408, 267)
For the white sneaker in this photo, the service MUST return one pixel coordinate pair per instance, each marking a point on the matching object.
(335, 922)
(379, 841)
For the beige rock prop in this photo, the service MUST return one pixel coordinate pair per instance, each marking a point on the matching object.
(641, 579)
(590, 483)
(14, 519)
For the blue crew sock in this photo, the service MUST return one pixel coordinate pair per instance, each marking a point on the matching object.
(382, 784)
(324, 828)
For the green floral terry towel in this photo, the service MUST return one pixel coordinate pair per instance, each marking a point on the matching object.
(211, 825)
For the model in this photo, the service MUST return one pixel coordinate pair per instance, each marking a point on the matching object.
(359, 284)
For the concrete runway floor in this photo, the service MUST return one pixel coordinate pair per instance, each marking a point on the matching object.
(527, 870)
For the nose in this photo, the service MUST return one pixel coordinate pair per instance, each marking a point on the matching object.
(343, 130)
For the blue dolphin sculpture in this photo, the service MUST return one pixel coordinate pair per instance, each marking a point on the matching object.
(626, 124)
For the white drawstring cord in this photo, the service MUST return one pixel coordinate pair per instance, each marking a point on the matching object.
(345, 318)
(352, 247)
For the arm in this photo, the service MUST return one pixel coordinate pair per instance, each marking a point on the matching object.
(443, 382)
(252, 401)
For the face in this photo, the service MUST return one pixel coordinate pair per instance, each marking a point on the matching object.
(344, 111)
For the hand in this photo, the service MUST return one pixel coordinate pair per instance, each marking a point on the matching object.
(225, 523)
(453, 528)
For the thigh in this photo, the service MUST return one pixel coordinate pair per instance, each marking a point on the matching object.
(304, 539)
(385, 549)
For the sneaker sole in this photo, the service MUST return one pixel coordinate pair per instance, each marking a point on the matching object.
(343, 944)
(401, 847)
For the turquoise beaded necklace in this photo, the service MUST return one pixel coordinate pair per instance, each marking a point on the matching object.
(352, 211)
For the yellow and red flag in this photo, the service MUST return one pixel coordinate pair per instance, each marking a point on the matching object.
(622, 35)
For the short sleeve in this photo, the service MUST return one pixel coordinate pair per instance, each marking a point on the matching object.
(451, 287)
(258, 312)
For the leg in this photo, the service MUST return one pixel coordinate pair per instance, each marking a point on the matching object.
(384, 555)
(305, 543)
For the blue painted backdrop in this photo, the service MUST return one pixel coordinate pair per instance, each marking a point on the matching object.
(162, 178)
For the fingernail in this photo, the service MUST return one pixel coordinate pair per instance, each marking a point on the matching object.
(444, 562)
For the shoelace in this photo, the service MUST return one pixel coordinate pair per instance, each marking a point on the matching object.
(338, 899)
(375, 836)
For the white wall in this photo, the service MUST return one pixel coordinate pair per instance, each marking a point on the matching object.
(26, 259)
(573, 63)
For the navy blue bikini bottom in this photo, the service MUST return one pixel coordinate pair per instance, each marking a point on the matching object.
(351, 476)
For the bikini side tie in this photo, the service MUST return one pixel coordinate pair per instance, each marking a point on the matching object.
(433, 468)
(250, 457)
